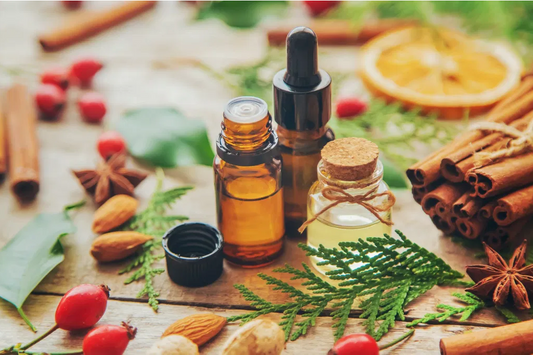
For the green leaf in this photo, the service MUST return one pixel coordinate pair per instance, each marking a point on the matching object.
(241, 14)
(393, 176)
(27, 258)
(162, 136)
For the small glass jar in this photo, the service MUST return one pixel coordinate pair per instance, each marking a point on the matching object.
(347, 221)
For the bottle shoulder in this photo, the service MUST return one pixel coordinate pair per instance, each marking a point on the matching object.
(304, 141)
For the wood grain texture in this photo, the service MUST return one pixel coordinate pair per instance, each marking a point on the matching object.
(318, 340)
(130, 80)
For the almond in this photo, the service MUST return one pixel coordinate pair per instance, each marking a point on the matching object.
(117, 245)
(115, 212)
(199, 328)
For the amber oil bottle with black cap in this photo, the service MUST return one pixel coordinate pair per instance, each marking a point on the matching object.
(302, 108)
(248, 184)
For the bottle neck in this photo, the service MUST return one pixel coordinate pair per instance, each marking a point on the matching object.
(357, 186)
(287, 135)
(246, 136)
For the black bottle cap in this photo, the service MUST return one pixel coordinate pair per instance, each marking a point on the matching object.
(302, 92)
(193, 252)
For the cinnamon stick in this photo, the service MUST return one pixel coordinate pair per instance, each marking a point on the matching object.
(525, 86)
(470, 228)
(516, 205)
(446, 225)
(498, 236)
(420, 192)
(486, 211)
(429, 170)
(446, 194)
(21, 118)
(501, 177)
(336, 32)
(3, 143)
(467, 206)
(513, 339)
(460, 203)
(86, 24)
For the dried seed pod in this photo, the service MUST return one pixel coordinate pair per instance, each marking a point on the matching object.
(115, 212)
(259, 337)
(200, 328)
(174, 345)
(117, 245)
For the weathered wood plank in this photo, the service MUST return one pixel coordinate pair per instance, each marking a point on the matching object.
(319, 339)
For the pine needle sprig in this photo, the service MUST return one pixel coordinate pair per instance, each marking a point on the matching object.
(473, 304)
(153, 221)
(384, 274)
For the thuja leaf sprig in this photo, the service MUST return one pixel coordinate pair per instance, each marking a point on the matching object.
(389, 272)
(153, 221)
(473, 304)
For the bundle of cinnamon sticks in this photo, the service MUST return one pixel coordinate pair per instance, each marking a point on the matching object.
(481, 184)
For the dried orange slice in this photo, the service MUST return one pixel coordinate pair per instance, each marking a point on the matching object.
(439, 70)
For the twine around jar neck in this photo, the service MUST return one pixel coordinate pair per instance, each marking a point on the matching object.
(335, 191)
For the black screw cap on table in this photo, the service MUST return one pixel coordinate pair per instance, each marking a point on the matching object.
(302, 92)
(193, 252)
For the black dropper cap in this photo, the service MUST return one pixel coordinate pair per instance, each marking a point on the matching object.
(302, 92)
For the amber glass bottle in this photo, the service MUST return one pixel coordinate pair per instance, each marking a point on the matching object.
(302, 108)
(248, 184)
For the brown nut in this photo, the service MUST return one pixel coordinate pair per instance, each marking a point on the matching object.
(115, 212)
(199, 328)
(117, 245)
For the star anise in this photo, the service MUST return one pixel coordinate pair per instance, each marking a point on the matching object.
(110, 178)
(499, 278)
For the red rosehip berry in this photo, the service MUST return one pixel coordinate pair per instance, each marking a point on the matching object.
(72, 4)
(56, 76)
(50, 99)
(84, 69)
(82, 307)
(350, 107)
(108, 339)
(110, 143)
(92, 107)
(319, 7)
(361, 344)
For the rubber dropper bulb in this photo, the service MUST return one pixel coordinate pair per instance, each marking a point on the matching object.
(302, 58)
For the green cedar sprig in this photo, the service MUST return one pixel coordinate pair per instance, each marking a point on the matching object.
(473, 302)
(392, 273)
(153, 221)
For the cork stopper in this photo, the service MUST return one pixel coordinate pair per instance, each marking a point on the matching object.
(350, 159)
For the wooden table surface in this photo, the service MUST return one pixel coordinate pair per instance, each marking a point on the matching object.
(131, 80)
